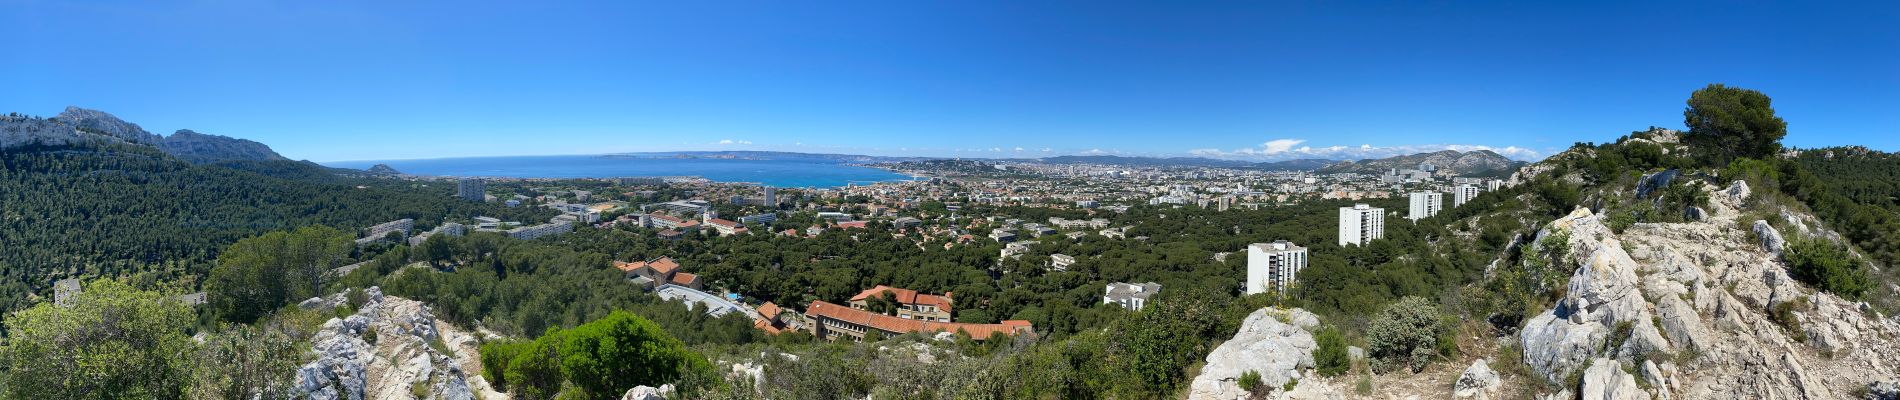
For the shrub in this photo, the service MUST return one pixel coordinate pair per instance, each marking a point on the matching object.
(1250, 381)
(1331, 357)
(1827, 266)
(1405, 333)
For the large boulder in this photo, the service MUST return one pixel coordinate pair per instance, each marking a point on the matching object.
(643, 393)
(1554, 346)
(1275, 350)
(1605, 380)
(1771, 240)
(1478, 381)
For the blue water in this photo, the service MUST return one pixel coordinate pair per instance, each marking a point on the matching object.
(776, 173)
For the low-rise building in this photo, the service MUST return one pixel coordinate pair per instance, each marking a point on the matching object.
(909, 303)
(835, 322)
(1132, 296)
(1061, 262)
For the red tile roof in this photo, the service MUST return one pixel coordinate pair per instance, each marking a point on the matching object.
(769, 310)
(765, 326)
(685, 279)
(624, 266)
(851, 224)
(907, 296)
(664, 265)
(724, 223)
(821, 309)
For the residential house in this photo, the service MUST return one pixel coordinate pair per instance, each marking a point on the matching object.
(910, 304)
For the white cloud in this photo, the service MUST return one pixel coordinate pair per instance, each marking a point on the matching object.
(1287, 149)
(1279, 145)
(730, 141)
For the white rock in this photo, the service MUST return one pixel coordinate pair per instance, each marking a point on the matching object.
(1770, 238)
(1478, 381)
(1275, 350)
(1604, 380)
(643, 392)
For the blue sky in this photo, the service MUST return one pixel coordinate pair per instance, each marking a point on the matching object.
(352, 80)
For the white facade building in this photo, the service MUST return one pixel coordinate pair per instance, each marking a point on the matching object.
(1425, 205)
(1273, 266)
(1360, 224)
(1463, 194)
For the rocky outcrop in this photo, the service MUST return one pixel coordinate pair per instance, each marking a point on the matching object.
(1771, 240)
(1277, 350)
(1478, 382)
(383, 351)
(202, 148)
(99, 122)
(1681, 310)
(643, 392)
(1605, 381)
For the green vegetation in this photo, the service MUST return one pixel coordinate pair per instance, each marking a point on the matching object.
(1405, 334)
(1331, 358)
(1250, 381)
(115, 341)
(1728, 123)
(120, 210)
(260, 274)
(1827, 266)
(597, 360)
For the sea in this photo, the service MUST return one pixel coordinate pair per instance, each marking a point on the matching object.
(787, 173)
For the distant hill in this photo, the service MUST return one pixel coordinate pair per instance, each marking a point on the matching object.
(1146, 161)
(79, 126)
(1305, 164)
(201, 148)
(1480, 163)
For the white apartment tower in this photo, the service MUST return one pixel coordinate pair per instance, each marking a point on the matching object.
(1273, 266)
(471, 189)
(1360, 224)
(1425, 204)
(1463, 194)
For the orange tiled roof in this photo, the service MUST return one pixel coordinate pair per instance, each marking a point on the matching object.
(664, 265)
(769, 310)
(724, 223)
(685, 279)
(851, 224)
(821, 309)
(765, 326)
(624, 266)
(907, 296)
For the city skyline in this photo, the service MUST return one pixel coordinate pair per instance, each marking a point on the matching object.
(1259, 82)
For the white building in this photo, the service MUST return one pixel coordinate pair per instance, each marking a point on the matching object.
(1425, 205)
(1463, 194)
(1132, 296)
(471, 189)
(1273, 266)
(1361, 224)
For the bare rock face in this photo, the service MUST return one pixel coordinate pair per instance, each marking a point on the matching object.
(1696, 297)
(1606, 381)
(1477, 382)
(100, 122)
(398, 363)
(1771, 240)
(643, 393)
(1277, 351)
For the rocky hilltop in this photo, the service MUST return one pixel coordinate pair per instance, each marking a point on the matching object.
(201, 148)
(1471, 163)
(79, 126)
(391, 348)
(1703, 309)
(99, 122)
